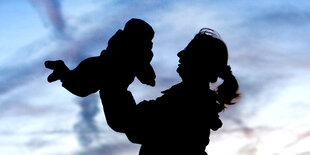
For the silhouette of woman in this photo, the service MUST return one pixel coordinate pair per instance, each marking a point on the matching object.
(178, 122)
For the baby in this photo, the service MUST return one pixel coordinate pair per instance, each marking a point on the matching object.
(128, 55)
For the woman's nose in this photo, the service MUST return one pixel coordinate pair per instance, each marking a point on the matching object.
(180, 54)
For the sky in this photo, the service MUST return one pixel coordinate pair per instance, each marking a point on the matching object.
(268, 52)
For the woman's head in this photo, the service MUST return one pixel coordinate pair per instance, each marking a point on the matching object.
(203, 58)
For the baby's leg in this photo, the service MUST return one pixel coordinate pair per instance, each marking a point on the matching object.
(59, 70)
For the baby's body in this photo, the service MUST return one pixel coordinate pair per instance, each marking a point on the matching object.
(128, 55)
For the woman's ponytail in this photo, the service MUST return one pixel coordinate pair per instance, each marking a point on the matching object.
(228, 90)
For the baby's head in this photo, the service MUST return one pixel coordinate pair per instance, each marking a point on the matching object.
(134, 46)
(139, 35)
(139, 29)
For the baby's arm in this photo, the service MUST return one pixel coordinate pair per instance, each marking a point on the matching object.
(85, 79)
(82, 80)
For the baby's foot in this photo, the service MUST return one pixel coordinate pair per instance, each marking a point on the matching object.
(59, 68)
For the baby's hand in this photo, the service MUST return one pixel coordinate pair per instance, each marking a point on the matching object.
(59, 69)
(146, 75)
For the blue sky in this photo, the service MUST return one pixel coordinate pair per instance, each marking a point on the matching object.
(268, 49)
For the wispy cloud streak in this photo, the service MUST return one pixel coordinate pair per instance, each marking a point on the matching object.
(52, 10)
(86, 128)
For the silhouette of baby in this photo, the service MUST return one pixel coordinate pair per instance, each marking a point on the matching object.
(128, 55)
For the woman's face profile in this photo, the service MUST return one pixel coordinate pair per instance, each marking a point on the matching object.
(199, 65)
(193, 68)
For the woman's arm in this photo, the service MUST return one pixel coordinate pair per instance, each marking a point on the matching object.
(119, 108)
(138, 122)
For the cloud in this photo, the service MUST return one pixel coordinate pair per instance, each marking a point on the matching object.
(299, 138)
(283, 16)
(86, 128)
(267, 45)
(304, 153)
(111, 149)
(80, 46)
(75, 49)
(20, 108)
(85, 42)
(37, 143)
(51, 12)
(248, 149)
(15, 76)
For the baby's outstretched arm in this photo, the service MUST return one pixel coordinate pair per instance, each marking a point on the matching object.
(83, 80)
(59, 70)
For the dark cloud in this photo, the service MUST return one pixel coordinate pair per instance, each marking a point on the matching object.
(86, 128)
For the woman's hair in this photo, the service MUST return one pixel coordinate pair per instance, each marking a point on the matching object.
(228, 90)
